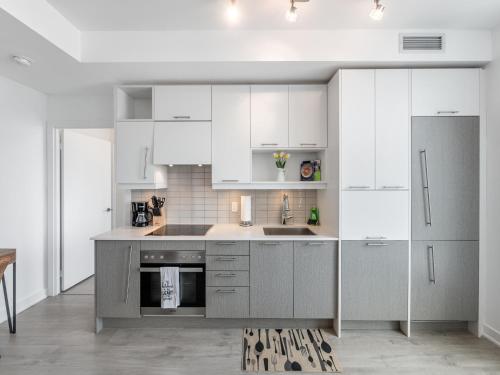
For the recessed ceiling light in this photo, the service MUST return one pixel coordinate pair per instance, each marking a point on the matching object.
(378, 10)
(232, 12)
(22, 60)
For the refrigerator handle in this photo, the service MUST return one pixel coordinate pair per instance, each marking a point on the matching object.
(432, 266)
(425, 186)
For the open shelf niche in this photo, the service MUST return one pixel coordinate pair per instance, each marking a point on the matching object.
(134, 103)
(265, 172)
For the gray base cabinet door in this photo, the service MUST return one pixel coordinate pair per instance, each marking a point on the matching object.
(271, 279)
(118, 279)
(227, 302)
(375, 280)
(445, 280)
(315, 280)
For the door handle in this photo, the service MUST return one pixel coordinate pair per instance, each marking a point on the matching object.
(225, 259)
(146, 162)
(226, 290)
(377, 244)
(225, 275)
(184, 117)
(425, 187)
(128, 273)
(447, 112)
(432, 266)
(268, 144)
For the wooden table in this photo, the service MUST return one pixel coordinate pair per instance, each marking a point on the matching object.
(8, 256)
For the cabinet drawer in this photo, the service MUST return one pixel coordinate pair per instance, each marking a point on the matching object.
(375, 280)
(227, 263)
(228, 302)
(228, 247)
(173, 245)
(227, 278)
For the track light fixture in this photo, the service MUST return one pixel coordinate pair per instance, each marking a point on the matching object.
(292, 15)
(378, 10)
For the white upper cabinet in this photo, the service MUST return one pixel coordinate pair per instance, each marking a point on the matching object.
(269, 116)
(134, 155)
(392, 128)
(183, 103)
(231, 134)
(445, 92)
(358, 129)
(375, 215)
(308, 116)
(183, 142)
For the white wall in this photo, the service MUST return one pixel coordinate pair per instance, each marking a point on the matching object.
(23, 188)
(80, 111)
(491, 297)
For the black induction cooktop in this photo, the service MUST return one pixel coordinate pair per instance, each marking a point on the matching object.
(181, 230)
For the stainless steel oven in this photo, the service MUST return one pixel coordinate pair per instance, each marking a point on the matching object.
(192, 282)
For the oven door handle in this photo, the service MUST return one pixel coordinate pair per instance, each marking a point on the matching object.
(157, 269)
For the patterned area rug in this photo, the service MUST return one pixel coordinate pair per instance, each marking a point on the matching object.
(277, 350)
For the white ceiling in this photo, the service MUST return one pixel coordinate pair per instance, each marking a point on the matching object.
(269, 14)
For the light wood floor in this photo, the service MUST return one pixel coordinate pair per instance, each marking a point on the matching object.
(55, 337)
(85, 287)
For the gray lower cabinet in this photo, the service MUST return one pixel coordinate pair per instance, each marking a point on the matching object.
(375, 280)
(271, 279)
(315, 280)
(227, 302)
(117, 279)
(445, 280)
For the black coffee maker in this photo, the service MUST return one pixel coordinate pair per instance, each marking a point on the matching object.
(141, 214)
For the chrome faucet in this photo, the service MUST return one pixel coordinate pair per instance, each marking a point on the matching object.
(285, 210)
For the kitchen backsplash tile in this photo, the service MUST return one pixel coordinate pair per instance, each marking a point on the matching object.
(191, 200)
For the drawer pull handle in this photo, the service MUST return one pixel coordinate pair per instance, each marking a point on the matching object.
(182, 117)
(377, 244)
(359, 187)
(375, 238)
(225, 291)
(268, 144)
(447, 112)
(225, 275)
(270, 243)
(225, 259)
(392, 187)
(308, 144)
(315, 243)
(226, 243)
(230, 180)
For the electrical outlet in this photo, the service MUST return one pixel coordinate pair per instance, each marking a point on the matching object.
(234, 206)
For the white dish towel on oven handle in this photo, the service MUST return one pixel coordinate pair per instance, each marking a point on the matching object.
(170, 291)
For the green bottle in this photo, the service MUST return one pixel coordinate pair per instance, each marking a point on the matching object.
(313, 216)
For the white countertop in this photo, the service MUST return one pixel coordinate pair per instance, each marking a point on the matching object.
(219, 232)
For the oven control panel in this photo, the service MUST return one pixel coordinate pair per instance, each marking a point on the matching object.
(164, 257)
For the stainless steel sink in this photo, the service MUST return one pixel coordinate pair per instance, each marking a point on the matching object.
(293, 231)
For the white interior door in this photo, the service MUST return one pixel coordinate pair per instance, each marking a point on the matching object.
(85, 202)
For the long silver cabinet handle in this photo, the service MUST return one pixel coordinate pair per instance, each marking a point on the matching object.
(228, 243)
(432, 272)
(425, 187)
(182, 117)
(230, 180)
(225, 275)
(268, 144)
(377, 244)
(447, 112)
(358, 187)
(308, 144)
(270, 243)
(393, 187)
(146, 153)
(128, 273)
(375, 238)
(226, 290)
(225, 259)
(316, 243)
(182, 270)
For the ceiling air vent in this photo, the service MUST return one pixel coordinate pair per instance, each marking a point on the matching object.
(421, 43)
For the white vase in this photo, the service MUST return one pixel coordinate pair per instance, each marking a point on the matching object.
(281, 174)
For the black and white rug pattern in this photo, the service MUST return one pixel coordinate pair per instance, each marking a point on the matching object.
(278, 350)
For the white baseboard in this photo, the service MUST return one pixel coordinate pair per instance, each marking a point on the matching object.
(491, 334)
(23, 304)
